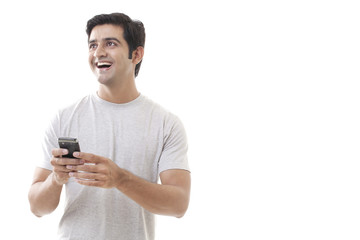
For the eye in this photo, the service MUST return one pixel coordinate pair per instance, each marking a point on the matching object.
(110, 44)
(92, 46)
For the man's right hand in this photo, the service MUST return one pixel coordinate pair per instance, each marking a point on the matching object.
(60, 172)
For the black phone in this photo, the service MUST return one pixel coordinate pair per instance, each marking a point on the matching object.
(71, 144)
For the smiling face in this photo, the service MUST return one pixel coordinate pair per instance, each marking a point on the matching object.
(108, 55)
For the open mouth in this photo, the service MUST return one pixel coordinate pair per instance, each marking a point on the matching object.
(103, 65)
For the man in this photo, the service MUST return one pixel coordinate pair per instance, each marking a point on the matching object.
(127, 142)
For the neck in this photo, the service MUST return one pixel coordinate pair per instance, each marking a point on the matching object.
(118, 94)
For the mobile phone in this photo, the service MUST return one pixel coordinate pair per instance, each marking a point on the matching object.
(71, 144)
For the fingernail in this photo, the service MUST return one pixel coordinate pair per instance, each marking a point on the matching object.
(71, 174)
(76, 154)
(65, 151)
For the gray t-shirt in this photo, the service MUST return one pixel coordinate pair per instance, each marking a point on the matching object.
(139, 136)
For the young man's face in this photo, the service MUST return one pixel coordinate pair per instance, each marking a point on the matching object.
(108, 54)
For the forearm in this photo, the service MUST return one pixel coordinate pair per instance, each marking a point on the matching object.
(44, 196)
(169, 198)
(156, 198)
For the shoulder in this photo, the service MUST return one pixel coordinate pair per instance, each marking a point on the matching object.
(160, 111)
(65, 112)
(170, 122)
(77, 105)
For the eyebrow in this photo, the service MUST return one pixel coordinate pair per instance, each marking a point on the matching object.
(106, 39)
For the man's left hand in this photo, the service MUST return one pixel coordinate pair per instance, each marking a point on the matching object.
(97, 171)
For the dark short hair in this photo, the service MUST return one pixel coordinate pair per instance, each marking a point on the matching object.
(134, 31)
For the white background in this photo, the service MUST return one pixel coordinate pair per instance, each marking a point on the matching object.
(267, 90)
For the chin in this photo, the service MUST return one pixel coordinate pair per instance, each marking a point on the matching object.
(103, 80)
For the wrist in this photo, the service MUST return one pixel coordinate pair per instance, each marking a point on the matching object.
(55, 181)
(124, 178)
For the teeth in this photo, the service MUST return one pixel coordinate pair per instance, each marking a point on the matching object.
(99, 64)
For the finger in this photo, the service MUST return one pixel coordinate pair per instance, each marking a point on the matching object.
(62, 169)
(88, 157)
(66, 161)
(90, 183)
(88, 176)
(62, 175)
(57, 152)
(84, 168)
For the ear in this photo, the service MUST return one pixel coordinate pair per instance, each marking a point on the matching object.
(137, 55)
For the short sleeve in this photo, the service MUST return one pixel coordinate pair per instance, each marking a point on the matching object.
(49, 142)
(174, 153)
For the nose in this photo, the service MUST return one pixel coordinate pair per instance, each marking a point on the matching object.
(99, 52)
